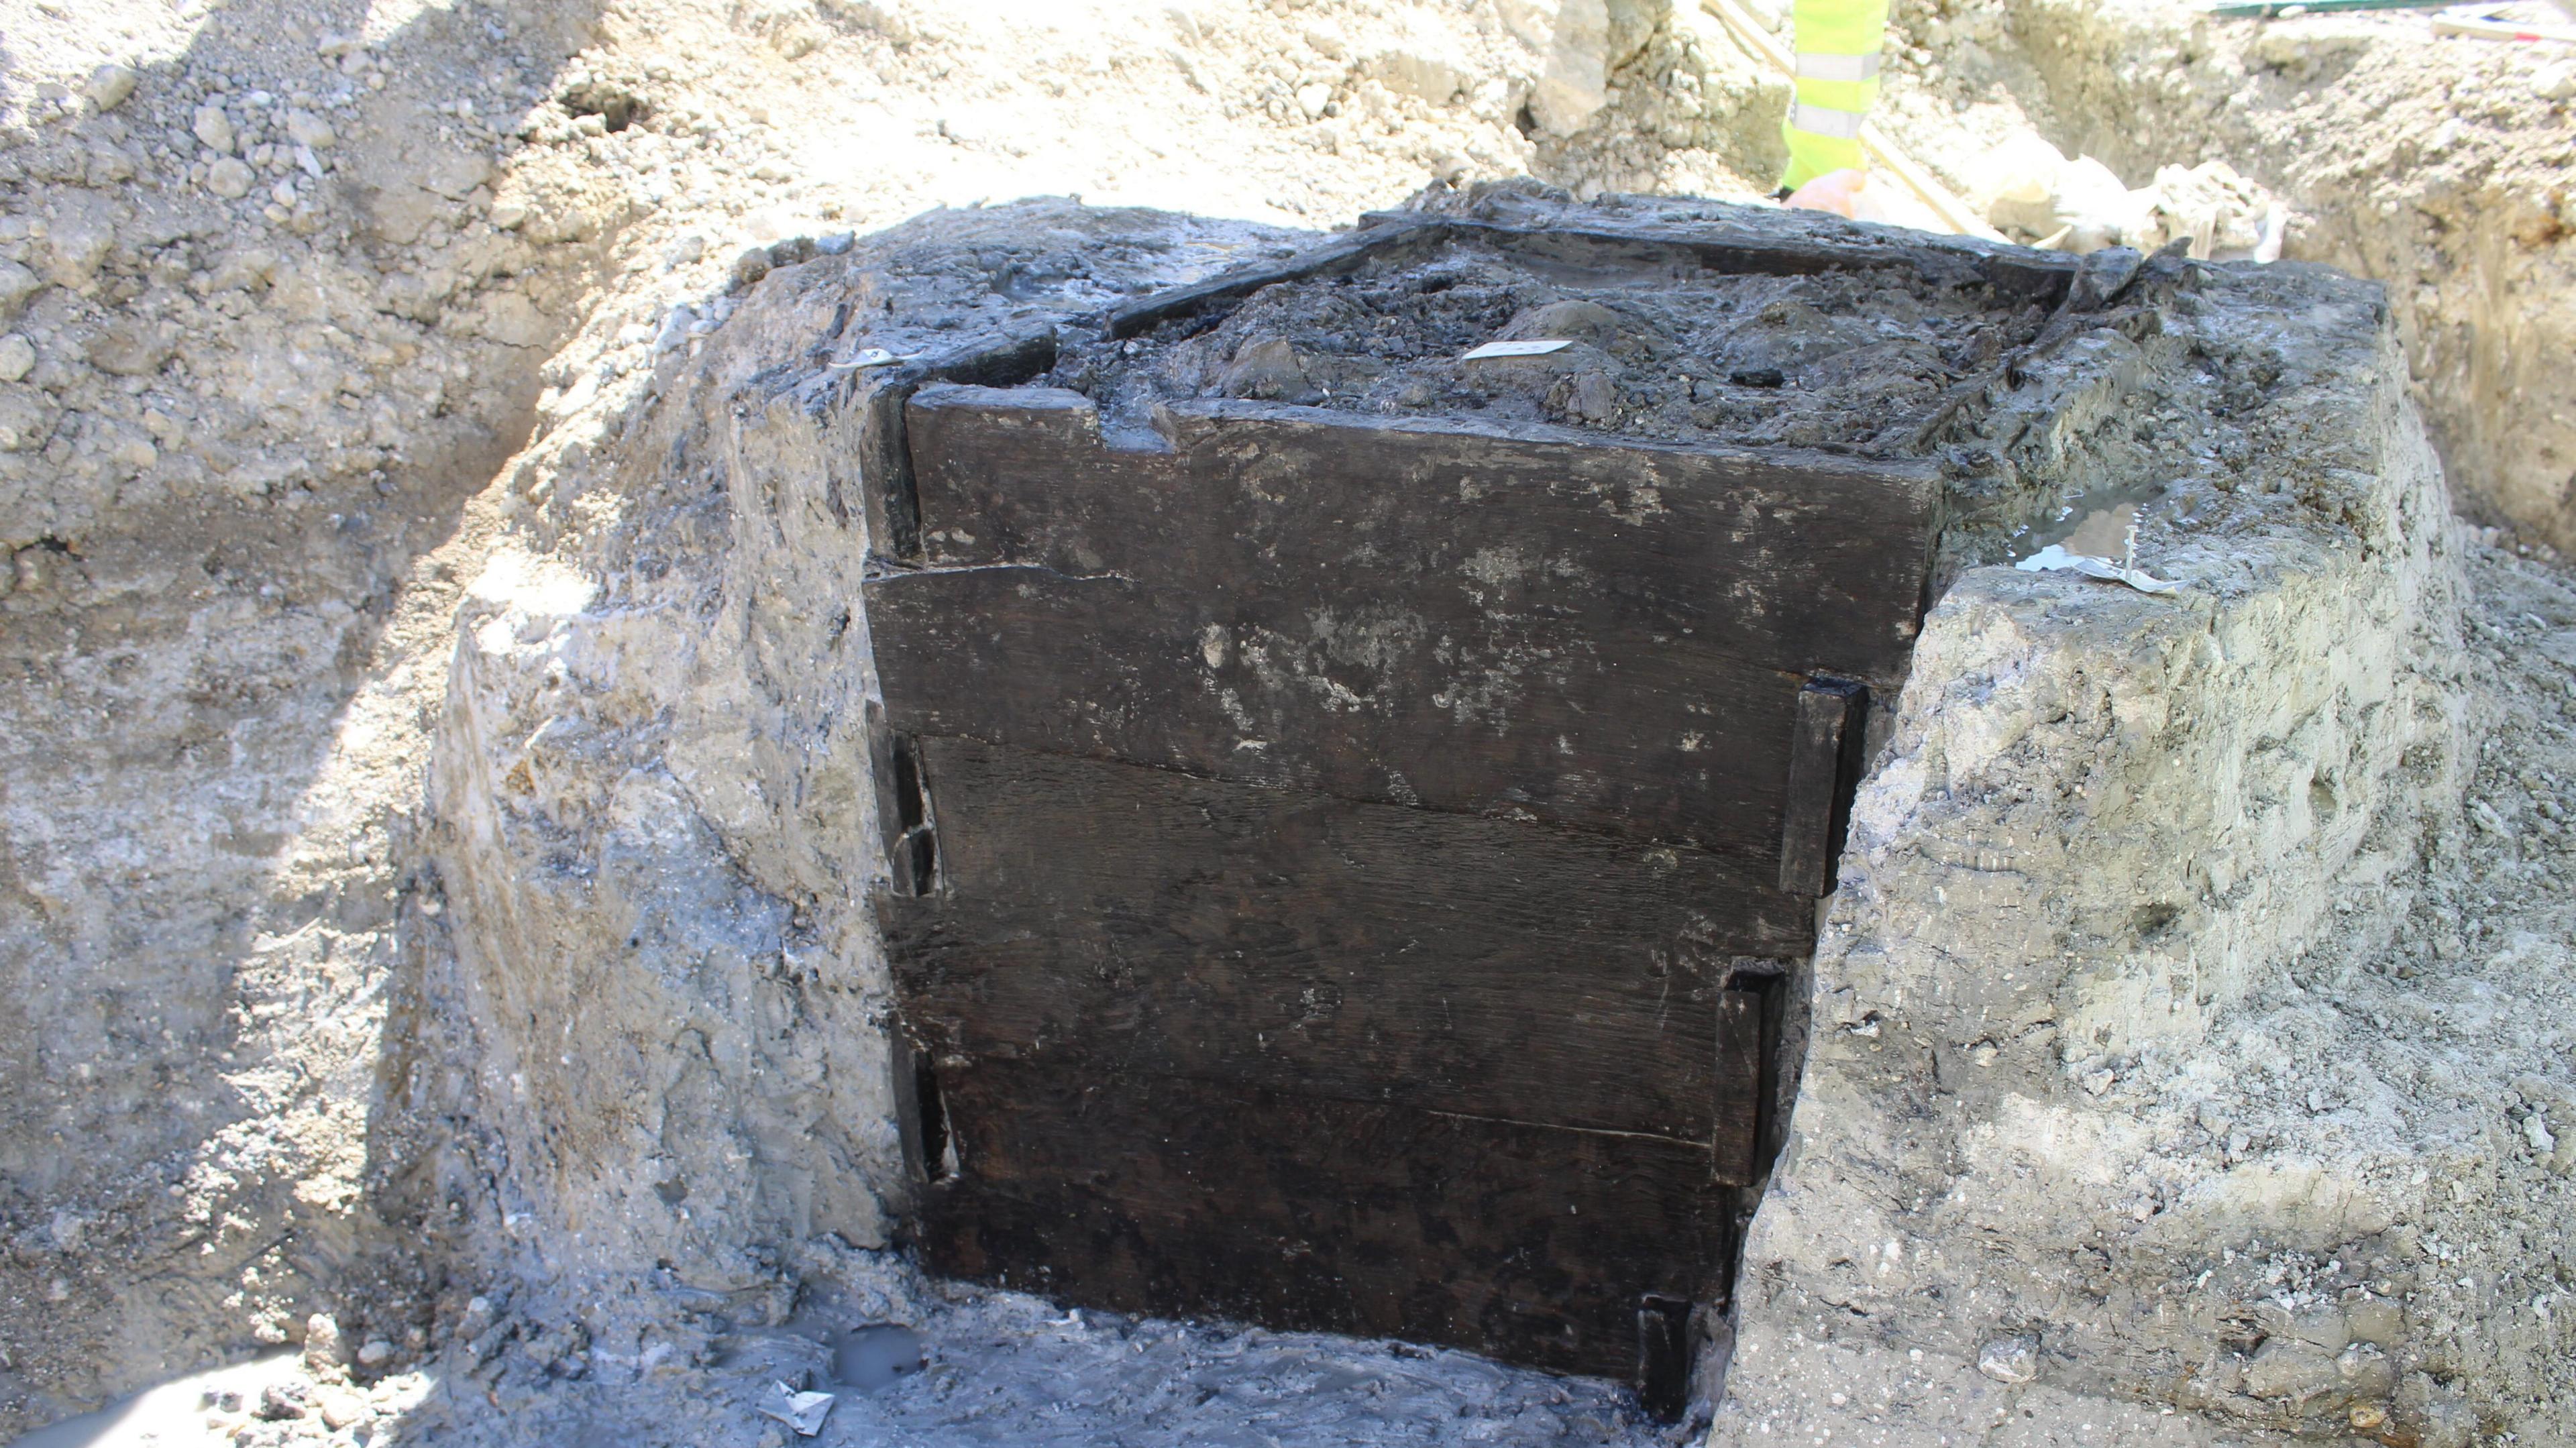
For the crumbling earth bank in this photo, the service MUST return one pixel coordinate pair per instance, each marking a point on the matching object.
(280, 290)
(229, 870)
(237, 425)
(2121, 848)
(2437, 166)
(2115, 1104)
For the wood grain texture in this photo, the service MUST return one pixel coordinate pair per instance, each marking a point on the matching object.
(1780, 555)
(878, 394)
(1129, 920)
(1675, 744)
(1534, 1244)
(1517, 622)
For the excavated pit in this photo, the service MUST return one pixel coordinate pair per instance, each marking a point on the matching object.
(1020, 756)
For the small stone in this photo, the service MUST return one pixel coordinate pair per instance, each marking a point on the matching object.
(78, 245)
(2366, 1417)
(2010, 1359)
(17, 284)
(751, 266)
(375, 1352)
(109, 85)
(130, 347)
(685, 250)
(322, 1346)
(2326, 1327)
(1313, 98)
(230, 178)
(2377, 1322)
(17, 358)
(1591, 397)
(213, 129)
(2555, 81)
(341, 1407)
(507, 214)
(307, 129)
(1266, 369)
(2535, 1134)
(675, 328)
(2097, 1082)
(2287, 1370)
(279, 1402)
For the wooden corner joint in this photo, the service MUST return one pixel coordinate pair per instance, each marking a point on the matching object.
(1824, 767)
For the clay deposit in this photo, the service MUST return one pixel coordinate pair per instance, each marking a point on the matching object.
(433, 905)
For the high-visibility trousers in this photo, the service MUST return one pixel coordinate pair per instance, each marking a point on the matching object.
(1838, 42)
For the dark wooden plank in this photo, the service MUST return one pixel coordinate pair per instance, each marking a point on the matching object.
(1744, 1043)
(1527, 720)
(879, 394)
(1799, 561)
(1485, 620)
(1384, 235)
(1769, 243)
(1531, 1243)
(1809, 838)
(1664, 1356)
(1138, 920)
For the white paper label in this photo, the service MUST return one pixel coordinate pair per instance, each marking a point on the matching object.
(1514, 349)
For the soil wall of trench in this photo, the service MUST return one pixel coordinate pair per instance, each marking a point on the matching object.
(2046, 1170)
(635, 1012)
(283, 290)
(2439, 167)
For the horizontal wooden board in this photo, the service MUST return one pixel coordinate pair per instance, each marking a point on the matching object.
(1347, 531)
(1386, 235)
(1514, 621)
(1530, 1243)
(1128, 920)
(1806, 245)
(1534, 721)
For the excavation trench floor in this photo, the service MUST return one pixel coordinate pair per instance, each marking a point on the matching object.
(1005, 1368)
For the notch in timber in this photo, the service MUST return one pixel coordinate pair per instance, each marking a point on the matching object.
(1663, 1355)
(921, 1115)
(913, 854)
(1824, 769)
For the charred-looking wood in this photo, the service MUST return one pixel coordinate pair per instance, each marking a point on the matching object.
(1760, 991)
(1824, 769)
(921, 1115)
(1346, 863)
(1381, 236)
(885, 457)
(1664, 1355)
(903, 794)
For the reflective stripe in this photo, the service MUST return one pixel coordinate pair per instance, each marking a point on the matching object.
(1826, 121)
(1837, 67)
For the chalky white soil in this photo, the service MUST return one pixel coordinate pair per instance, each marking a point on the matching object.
(283, 299)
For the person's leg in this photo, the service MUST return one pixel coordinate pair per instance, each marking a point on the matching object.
(1838, 44)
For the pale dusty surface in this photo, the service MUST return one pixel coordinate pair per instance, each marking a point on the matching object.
(266, 374)
(245, 436)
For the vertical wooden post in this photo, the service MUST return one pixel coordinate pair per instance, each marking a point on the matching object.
(1663, 1355)
(1830, 714)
